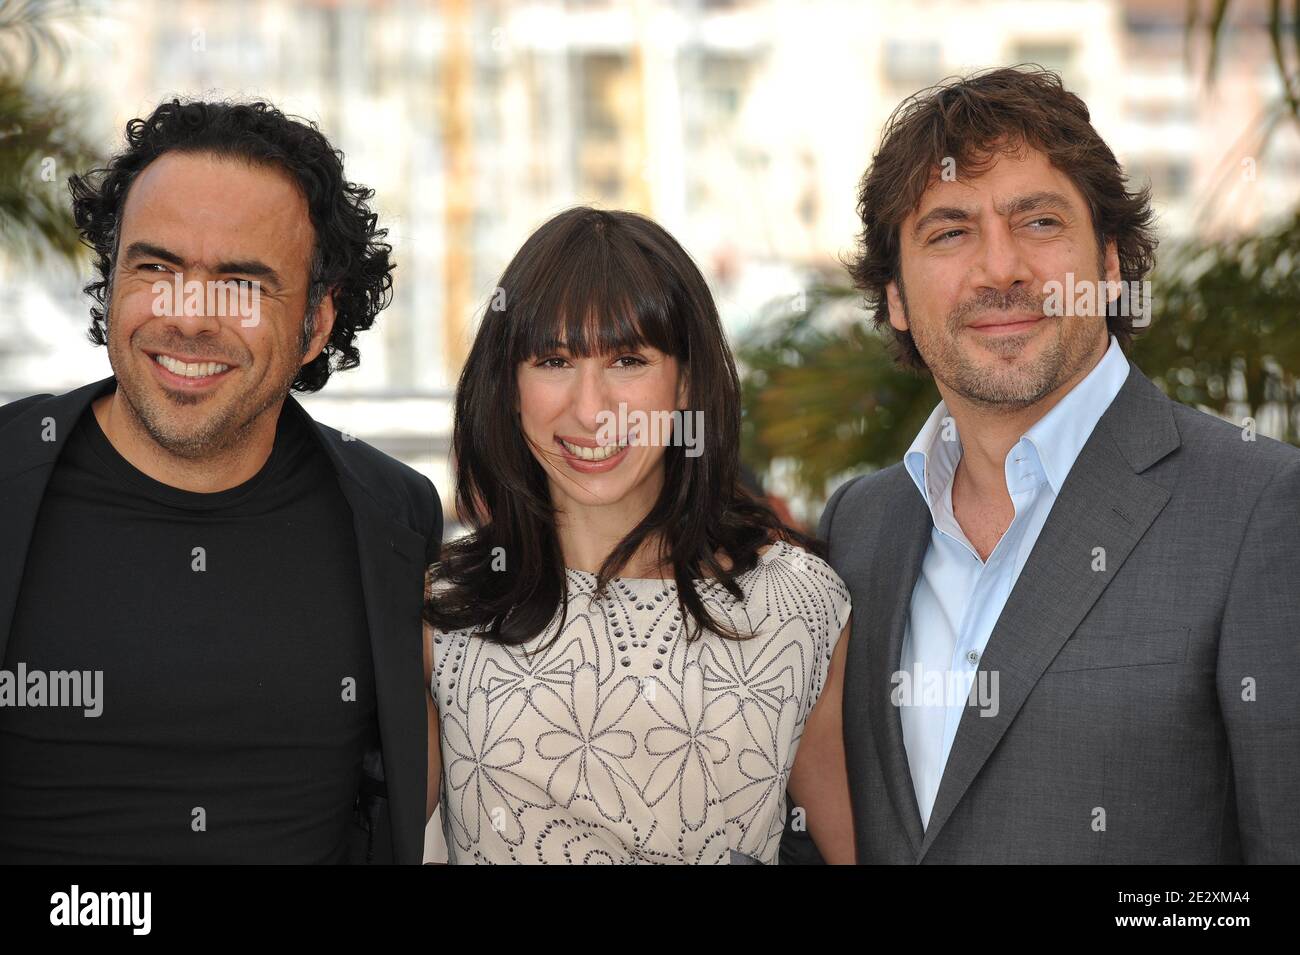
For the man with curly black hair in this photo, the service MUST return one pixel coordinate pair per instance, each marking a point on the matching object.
(210, 604)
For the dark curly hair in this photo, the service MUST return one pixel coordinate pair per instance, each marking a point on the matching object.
(972, 121)
(350, 255)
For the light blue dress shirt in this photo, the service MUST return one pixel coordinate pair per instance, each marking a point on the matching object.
(958, 598)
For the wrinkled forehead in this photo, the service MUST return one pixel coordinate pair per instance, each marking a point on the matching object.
(1004, 183)
(208, 208)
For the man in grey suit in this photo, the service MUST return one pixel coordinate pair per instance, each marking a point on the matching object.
(1076, 602)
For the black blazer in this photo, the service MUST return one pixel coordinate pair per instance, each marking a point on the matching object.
(398, 523)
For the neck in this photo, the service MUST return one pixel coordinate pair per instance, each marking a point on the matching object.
(588, 534)
(989, 433)
(208, 474)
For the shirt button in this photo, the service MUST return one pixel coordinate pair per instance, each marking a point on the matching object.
(973, 657)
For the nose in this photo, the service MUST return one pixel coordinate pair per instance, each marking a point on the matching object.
(591, 394)
(188, 312)
(1001, 263)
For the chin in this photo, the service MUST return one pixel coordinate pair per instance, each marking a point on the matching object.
(596, 493)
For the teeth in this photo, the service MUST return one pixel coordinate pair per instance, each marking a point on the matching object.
(200, 369)
(592, 454)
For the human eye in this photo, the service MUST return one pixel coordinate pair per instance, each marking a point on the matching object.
(551, 361)
(632, 361)
(945, 235)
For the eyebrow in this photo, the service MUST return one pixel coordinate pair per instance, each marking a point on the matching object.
(1044, 199)
(147, 250)
(250, 267)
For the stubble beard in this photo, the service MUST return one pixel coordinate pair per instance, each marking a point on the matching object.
(1005, 387)
(222, 431)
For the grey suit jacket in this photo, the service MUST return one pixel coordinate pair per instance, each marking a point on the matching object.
(1149, 703)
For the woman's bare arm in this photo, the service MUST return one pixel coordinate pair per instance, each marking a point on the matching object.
(819, 781)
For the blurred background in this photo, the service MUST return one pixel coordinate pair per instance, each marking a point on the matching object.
(741, 125)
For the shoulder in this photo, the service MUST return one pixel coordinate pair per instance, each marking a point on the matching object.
(878, 485)
(1205, 448)
(16, 409)
(1225, 446)
(789, 576)
(35, 407)
(398, 487)
(1230, 461)
(17, 416)
(802, 602)
(383, 474)
(867, 495)
(792, 559)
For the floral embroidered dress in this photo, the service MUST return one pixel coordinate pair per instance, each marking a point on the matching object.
(622, 742)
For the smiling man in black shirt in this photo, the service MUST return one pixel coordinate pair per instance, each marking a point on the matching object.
(244, 583)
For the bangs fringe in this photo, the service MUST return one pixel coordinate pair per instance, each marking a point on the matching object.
(590, 294)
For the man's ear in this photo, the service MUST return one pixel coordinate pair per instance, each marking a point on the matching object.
(1112, 261)
(897, 314)
(322, 329)
(1110, 277)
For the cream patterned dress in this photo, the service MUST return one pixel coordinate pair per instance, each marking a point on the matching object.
(624, 743)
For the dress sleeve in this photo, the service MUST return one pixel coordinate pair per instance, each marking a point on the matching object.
(832, 605)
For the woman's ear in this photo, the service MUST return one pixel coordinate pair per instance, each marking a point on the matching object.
(683, 388)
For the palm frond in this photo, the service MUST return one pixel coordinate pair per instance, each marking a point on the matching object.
(30, 33)
(825, 396)
(39, 147)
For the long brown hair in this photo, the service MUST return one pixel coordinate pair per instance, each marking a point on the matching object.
(599, 282)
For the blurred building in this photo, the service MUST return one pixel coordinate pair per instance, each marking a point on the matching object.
(743, 126)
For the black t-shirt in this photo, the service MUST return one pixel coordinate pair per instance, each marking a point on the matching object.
(237, 689)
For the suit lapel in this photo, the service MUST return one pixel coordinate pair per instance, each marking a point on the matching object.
(1103, 510)
(392, 560)
(890, 590)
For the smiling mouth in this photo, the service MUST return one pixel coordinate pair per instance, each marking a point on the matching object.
(591, 454)
(191, 369)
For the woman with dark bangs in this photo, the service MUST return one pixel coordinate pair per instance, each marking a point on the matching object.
(628, 650)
